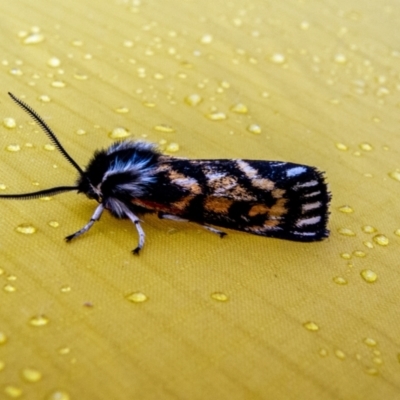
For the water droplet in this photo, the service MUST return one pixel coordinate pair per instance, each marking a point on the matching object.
(65, 289)
(304, 25)
(370, 342)
(278, 58)
(239, 108)
(137, 297)
(39, 320)
(380, 239)
(311, 326)
(34, 38)
(1, 271)
(149, 104)
(366, 147)
(341, 146)
(340, 58)
(254, 128)
(164, 128)
(377, 360)
(54, 62)
(16, 72)
(13, 391)
(64, 350)
(3, 338)
(54, 224)
(26, 229)
(395, 175)
(58, 84)
(346, 256)
(58, 395)
(346, 209)
(340, 280)
(216, 116)
(119, 133)
(77, 43)
(80, 132)
(219, 296)
(13, 147)
(346, 232)
(172, 148)
(31, 375)
(193, 99)
(371, 371)
(3, 186)
(2, 365)
(9, 288)
(9, 123)
(12, 278)
(359, 253)
(323, 352)
(44, 98)
(49, 147)
(368, 244)
(368, 229)
(340, 354)
(80, 76)
(122, 110)
(368, 275)
(206, 39)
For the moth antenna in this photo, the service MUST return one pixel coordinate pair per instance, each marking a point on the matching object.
(47, 131)
(40, 193)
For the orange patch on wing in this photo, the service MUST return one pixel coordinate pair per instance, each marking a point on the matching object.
(258, 209)
(183, 203)
(217, 205)
(278, 193)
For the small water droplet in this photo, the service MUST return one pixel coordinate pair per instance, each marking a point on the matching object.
(340, 354)
(122, 110)
(311, 326)
(1, 271)
(9, 123)
(80, 76)
(278, 58)
(64, 350)
(341, 146)
(34, 38)
(39, 320)
(16, 72)
(323, 352)
(31, 375)
(366, 147)
(219, 296)
(368, 229)
(3, 338)
(58, 84)
(13, 148)
(371, 371)
(164, 128)
(54, 62)
(377, 360)
(346, 232)
(58, 395)
(304, 25)
(80, 132)
(380, 239)
(54, 224)
(3, 186)
(137, 297)
(2, 365)
(395, 175)
(77, 43)
(346, 209)
(26, 229)
(9, 288)
(254, 128)
(346, 256)
(216, 116)
(340, 280)
(368, 275)
(193, 99)
(370, 342)
(44, 98)
(49, 147)
(239, 108)
(368, 244)
(13, 391)
(206, 39)
(340, 58)
(172, 148)
(65, 289)
(119, 133)
(359, 253)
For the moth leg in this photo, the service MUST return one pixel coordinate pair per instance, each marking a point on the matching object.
(171, 217)
(221, 234)
(95, 217)
(139, 229)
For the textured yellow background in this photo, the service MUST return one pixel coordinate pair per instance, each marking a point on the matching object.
(245, 317)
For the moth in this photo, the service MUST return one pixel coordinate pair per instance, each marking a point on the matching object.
(131, 178)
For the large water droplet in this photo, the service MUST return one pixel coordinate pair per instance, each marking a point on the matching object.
(137, 297)
(369, 275)
(26, 229)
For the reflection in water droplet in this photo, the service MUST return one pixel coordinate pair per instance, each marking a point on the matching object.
(346, 232)
(13, 147)
(359, 253)
(122, 110)
(9, 122)
(80, 76)
(370, 342)
(9, 288)
(206, 39)
(219, 296)
(164, 128)
(137, 297)
(58, 395)
(54, 62)
(3, 338)
(13, 391)
(311, 326)
(340, 280)
(340, 354)
(64, 350)
(371, 371)
(31, 375)
(368, 229)
(278, 58)
(366, 147)
(368, 275)
(2, 365)
(346, 256)
(16, 72)
(380, 239)
(44, 98)
(254, 128)
(341, 146)
(368, 244)
(119, 133)
(216, 116)
(54, 224)
(3, 186)
(65, 289)
(395, 175)
(34, 38)
(172, 148)
(26, 229)
(58, 84)
(239, 108)
(39, 320)
(49, 147)
(340, 59)
(193, 99)
(346, 209)
(80, 132)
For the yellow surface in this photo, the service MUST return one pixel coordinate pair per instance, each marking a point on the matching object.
(196, 317)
